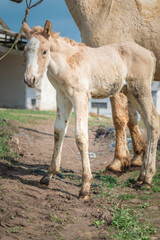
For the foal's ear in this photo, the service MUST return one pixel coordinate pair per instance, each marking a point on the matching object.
(47, 29)
(26, 29)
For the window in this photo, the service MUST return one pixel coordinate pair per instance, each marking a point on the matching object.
(99, 104)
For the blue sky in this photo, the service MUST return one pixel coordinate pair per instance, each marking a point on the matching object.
(54, 10)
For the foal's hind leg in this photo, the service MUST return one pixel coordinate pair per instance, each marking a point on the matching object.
(148, 112)
(64, 108)
(151, 120)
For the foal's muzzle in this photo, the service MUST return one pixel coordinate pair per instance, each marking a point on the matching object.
(30, 81)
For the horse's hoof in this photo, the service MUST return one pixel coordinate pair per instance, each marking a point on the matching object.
(137, 160)
(45, 181)
(136, 163)
(115, 167)
(125, 168)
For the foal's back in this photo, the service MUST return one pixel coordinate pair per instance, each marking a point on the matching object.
(116, 65)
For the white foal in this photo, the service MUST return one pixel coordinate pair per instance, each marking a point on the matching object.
(78, 73)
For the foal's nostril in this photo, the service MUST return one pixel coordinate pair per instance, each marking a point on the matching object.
(34, 80)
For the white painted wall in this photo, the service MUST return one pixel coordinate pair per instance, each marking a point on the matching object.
(12, 87)
(48, 95)
(31, 101)
(156, 95)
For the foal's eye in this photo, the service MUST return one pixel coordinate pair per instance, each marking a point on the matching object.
(44, 52)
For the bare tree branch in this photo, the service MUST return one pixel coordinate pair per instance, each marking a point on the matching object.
(17, 1)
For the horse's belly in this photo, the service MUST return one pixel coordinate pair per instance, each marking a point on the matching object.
(107, 88)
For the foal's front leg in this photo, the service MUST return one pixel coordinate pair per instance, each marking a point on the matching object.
(81, 135)
(64, 108)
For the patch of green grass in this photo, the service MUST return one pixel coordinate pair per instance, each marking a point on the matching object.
(156, 181)
(144, 205)
(128, 182)
(5, 135)
(126, 196)
(29, 112)
(106, 194)
(145, 197)
(56, 219)
(16, 230)
(129, 227)
(108, 181)
(156, 188)
(20, 117)
(31, 220)
(98, 223)
(145, 188)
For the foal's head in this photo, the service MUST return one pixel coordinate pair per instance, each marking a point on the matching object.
(37, 52)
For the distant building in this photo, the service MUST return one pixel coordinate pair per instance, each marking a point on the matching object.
(14, 93)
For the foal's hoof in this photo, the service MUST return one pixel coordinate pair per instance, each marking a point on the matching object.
(83, 196)
(44, 182)
(140, 184)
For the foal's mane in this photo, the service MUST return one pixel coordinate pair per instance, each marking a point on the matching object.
(55, 35)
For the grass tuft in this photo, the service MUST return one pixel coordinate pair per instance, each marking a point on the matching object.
(128, 227)
(108, 181)
(5, 135)
(126, 196)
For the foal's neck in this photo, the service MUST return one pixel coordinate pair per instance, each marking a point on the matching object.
(61, 50)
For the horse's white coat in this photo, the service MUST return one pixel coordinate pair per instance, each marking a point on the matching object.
(32, 57)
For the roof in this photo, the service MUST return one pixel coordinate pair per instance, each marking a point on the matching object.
(3, 25)
(7, 37)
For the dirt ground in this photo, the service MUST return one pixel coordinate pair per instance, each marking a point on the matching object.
(30, 212)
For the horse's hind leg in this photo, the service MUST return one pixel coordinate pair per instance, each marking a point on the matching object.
(137, 138)
(64, 108)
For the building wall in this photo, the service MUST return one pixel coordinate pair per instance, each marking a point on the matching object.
(100, 106)
(12, 87)
(48, 95)
(32, 97)
(156, 95)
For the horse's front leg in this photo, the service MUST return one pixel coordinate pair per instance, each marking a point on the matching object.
(81, 135)
(64, 108)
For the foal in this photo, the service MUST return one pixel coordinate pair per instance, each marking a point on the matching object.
(78, 73)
